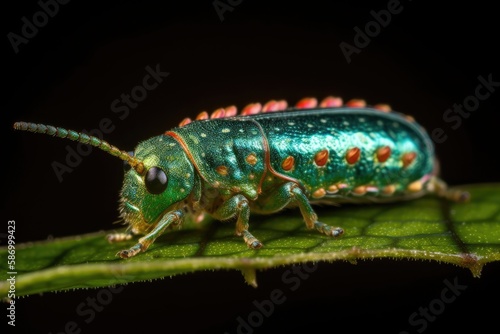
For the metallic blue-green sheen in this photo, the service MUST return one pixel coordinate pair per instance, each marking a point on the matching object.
(303, 133)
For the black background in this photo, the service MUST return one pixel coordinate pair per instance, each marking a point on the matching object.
(424, 61)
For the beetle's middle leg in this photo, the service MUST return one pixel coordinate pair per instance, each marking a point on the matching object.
(237, 206)
(290, 193)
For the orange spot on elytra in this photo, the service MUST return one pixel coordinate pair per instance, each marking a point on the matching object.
(356, 103)
(389, 190)
(415, 186)
(251, 159)
(410, 118)
(408, 158)
(282, 105)
(321, 158)
(231, 111)
(271, 106)
(333, 188)
(319, 193)
(185, 121)
(219, 113)
(361, 190)
(251, 109)
(307, 103)
(221, 170)
(352, 156)
(202, 115)
(331, 101)
(288, 163)
(383, 107)
(383, 153)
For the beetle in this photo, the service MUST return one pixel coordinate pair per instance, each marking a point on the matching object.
(268, 158)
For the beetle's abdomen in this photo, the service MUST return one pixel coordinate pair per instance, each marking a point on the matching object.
(346, 151)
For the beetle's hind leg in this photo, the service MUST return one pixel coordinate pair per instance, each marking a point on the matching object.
(290, 193)
(441, 189)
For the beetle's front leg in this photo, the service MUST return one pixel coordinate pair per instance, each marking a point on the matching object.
(290, 193)
(171, 218)
(238, 206)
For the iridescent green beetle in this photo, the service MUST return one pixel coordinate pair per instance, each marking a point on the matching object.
(267, 159)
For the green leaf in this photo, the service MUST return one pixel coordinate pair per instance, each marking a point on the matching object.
(429, 228)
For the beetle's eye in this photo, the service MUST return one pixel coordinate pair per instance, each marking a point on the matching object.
(126, 165)
(156, 180)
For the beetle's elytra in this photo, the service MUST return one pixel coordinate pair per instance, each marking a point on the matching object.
(266, 159)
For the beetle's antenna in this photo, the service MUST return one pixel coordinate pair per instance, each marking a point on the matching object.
(82, 138)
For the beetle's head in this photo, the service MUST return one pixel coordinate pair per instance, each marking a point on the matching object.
(161, 186)
(159, 175)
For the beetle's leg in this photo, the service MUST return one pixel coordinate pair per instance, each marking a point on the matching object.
(238, 206)
(290, 193)
(440, 188)
(174, 217)
(117, 237)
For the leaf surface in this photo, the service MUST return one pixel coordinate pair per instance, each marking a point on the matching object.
(465, 234)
